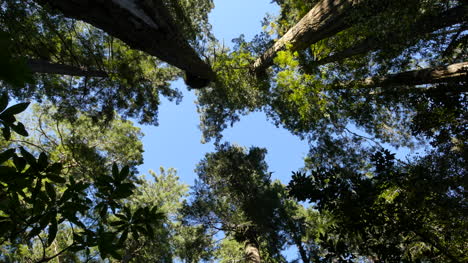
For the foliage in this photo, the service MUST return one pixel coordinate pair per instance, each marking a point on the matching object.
(192, 17)
(235, 91)
(398, 213)
(63, 197)
(134, 80)
(235, 195)
(88, 146)
(174, 240)
(37, 200)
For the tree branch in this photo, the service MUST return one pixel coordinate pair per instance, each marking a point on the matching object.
(46, 67)
(453, 72)
(145, 25)
(426, 24)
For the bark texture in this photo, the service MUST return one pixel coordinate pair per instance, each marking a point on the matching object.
(145, 25)
(324, 20)
(426, 24)
(43, 66)
(453, 72)
(252, 253)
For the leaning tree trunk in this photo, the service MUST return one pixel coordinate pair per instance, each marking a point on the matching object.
(427, 24)
(43, 66)
(450, 73)
(252, 252)
(325, 19)
(145, 25)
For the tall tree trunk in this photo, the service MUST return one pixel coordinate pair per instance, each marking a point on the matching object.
(426, 24)
(145, 25)
(325, 19)
(43, 66)
(449, 73)
(252, 252)
(302, 251)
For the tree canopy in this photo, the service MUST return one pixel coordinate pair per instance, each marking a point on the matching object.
(357, 79)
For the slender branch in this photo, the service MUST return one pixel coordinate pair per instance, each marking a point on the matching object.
(30, 143)
(43, 246)
(56, 255)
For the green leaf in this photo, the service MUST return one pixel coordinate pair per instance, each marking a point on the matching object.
(3, 101)
(123, 173)
(52, 231)
(28, 156)
(45, 220)
(50, 191)
(15, 109)
(56, 178)
(123, 191)
(8, 119)
(121, 216)
(6, 133)
(4, 156)
(123, 237)
(20, 129)
(7, 174)
(55, 168)
(20, 163)
(117, 223)
(42, 161)
(66, 196)
(34, 232)
(103, 211)
(115, 170)
(114, 252)
(150, 231)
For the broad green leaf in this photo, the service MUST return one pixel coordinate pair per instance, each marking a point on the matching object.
(4, 156)
(52, 231)
(115, 170)
(55, 168)
(123, 191)
(3, 101)
(117, 223)
(6, 133)
(42, 161)
(124, 173)
(56, 178)
(123, 237)
(20, 163)
(15, 109)
(28, 156)
(50, 191)
(20, 129)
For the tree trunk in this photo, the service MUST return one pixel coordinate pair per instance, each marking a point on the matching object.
(325, 19)
(145, 25)
(42, 66)
(252, 252)
(426, 24)
(450, 73)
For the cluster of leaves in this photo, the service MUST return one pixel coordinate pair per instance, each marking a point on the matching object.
(396, 214)
(35, 198)
(234, 93)
(131, 82)
(12, 69)
(192, 18)
(236, 195)
(312, 100)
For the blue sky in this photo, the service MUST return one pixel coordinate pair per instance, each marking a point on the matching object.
(176, 141)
